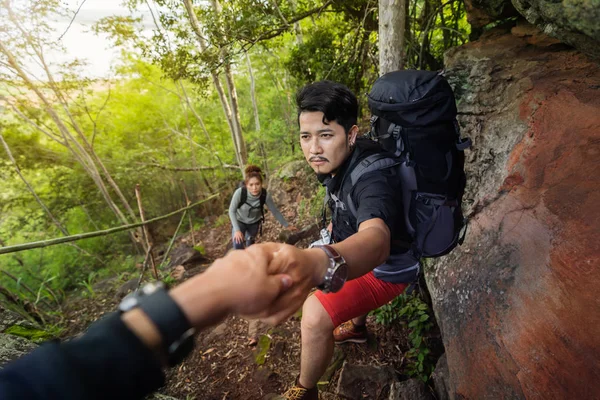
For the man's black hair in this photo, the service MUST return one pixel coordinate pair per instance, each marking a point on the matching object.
(334, 100)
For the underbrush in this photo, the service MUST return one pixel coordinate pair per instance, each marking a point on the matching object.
(415, 315)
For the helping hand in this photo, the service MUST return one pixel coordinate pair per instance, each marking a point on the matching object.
(306, 267)
(241, 283)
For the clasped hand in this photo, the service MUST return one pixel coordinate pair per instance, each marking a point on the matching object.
(268, 281)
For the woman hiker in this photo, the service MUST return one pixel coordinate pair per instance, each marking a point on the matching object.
(246, 209)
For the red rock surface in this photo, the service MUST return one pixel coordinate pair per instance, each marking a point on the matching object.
(519, 302)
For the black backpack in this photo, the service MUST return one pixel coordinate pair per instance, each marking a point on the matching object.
(263, 200)
(414, 117)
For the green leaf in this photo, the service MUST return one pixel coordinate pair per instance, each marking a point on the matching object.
(417, 342)
(424, 318)
(413, 323)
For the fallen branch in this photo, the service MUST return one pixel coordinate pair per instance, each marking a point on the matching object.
(229, 166)
(66, 239)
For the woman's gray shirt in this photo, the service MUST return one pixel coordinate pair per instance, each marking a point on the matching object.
(250, 211)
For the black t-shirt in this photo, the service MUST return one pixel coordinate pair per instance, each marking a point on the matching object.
(375, 195)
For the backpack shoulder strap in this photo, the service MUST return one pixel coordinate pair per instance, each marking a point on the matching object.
(263, 197)
(263, 200)
(374, 162)
(243, 196)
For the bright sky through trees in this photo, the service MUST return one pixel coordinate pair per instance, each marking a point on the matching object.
(82, 43)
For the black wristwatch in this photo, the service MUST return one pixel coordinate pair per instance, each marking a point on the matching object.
(176, 331)
(337, 272)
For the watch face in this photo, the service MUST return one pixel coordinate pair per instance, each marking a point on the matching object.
(339, 278)
(128, 303)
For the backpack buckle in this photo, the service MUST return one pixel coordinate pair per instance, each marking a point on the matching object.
(463, 143)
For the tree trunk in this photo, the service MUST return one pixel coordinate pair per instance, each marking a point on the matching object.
(256, 115)
(392, 20)
(235, 111)
(195, 24)
(233, 97)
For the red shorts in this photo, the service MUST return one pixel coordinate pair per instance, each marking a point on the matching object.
(358, 296)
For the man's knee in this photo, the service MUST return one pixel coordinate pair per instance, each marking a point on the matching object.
(315, 318)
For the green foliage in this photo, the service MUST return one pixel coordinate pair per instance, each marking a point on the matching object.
(88, 285)
(389, 313)
(169, 281)
(262, 349)
(159, 123)
(413, 313)
(222, 220)
(200, 248)
(34, 334)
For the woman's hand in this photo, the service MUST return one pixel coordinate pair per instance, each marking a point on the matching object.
(238, 237)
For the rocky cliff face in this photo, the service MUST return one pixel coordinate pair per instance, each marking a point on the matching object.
(575, 22)
(518, 303)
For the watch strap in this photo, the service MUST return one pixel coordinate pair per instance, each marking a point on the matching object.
(166, 315)
(331, 253)
(335, 260)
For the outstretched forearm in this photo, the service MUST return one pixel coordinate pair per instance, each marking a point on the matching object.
(108, 361)
(366, 249)
(120, 356)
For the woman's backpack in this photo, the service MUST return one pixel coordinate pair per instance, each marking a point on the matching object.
(414, 117)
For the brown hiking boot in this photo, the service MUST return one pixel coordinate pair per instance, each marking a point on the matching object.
(298, 392)
(350, 333)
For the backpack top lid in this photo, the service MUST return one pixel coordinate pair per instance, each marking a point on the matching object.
(412, 98)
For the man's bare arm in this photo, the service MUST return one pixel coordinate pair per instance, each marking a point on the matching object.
(367, 248)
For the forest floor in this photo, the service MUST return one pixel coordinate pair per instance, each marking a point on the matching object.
(224, 364)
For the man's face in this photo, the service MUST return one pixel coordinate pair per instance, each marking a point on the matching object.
(325, 146)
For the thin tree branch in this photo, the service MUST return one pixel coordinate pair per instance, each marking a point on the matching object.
(52, 242)
(166, 255)
(183, 169)
(72, 19)
(146, 234)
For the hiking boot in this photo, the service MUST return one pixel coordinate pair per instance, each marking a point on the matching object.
(297, 392)
(350, 333)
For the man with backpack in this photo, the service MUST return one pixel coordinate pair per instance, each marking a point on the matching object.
(377, 247)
